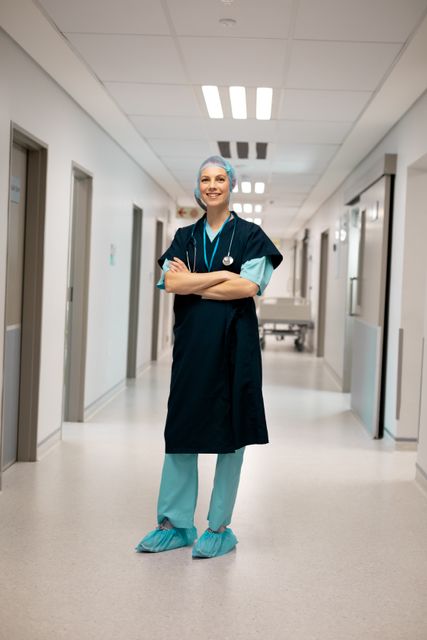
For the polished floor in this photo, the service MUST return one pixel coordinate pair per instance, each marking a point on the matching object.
(332, 528)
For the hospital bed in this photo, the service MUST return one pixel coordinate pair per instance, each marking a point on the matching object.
(284, 316)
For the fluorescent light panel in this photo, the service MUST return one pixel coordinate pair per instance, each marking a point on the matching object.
(258, 208)
(238, 102)
(246, 186)
(264, 101)
(236, 188)
(213, 101)
(259, 187)
(249, 219)
(237, 207)
(247, 208)
(258, 221)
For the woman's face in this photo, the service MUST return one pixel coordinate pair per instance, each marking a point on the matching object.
(214, 186)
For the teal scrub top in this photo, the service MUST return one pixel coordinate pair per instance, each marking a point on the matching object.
(258, 270)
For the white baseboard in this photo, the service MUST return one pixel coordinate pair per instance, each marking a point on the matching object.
(101, 402)
(421, 478)
(336, 378)
(46, 445)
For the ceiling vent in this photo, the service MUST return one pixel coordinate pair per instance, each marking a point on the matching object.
(242, 149)
(224, 148)
(261, 150)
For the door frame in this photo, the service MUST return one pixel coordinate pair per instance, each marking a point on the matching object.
(32, 293)
(135, 283)
(159, 229)
(74, 407)
(323, 290)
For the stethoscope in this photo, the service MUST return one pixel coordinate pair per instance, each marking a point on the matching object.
(226, 261)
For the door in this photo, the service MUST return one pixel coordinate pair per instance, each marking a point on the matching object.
(356, 223)
(23, 304)
(323, 287)
(77, 297)
(368, 306)
(14, 288)
(135, 280)
(156, 294)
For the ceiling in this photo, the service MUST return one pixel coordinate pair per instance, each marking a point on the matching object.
(326, 61)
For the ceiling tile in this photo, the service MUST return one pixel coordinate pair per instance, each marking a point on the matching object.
(287, 198)
(243, 130)
(363, 21)
(199, 149)
(337, 106)
(306, 132)
(339, 65)
(170, 127)
(304, 158)
(154, 99)
(234, 61)
(130, 58)
(294, 183)
(126, 16)
(269, 19)
(185, 167)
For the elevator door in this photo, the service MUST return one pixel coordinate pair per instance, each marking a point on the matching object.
(14, 288)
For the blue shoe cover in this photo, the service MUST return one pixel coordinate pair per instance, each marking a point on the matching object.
(166, 539)
(210, 544)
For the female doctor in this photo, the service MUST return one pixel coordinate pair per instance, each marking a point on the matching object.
(214, 267)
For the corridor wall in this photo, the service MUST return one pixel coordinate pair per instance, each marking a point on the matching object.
(32, 100)
(407, 139)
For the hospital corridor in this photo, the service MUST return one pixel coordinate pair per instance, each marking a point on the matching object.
(213, 319)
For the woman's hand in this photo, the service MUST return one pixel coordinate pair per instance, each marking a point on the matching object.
(176, 265)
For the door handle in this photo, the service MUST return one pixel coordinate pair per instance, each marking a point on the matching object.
(353, 289)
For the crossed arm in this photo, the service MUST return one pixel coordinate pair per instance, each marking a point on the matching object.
(216, 285)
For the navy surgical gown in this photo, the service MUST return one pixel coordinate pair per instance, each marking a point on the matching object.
(215, 402)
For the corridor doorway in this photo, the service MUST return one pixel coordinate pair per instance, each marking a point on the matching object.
(24, 289)
(77, 296)
(156, 293)
(135, 281)
(323, 288)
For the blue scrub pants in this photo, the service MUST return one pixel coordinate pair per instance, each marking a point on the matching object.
(179, 487)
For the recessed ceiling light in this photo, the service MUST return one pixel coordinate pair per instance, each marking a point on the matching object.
(249, 219)
(258, 221)
(228, 22)
(259, 187)
(258, 208)
(264, 99)
(237, 207)
(247, 208)
(238, 102)
(246, 186)
(213, 101)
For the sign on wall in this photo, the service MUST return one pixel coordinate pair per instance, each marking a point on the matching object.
(189, 213)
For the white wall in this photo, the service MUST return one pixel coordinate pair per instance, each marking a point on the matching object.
(325, 220)
(280, 285)
(413, 299)
(34, 102)
(408, 139)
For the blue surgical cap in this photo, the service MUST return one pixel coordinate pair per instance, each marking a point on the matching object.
(215, 161)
